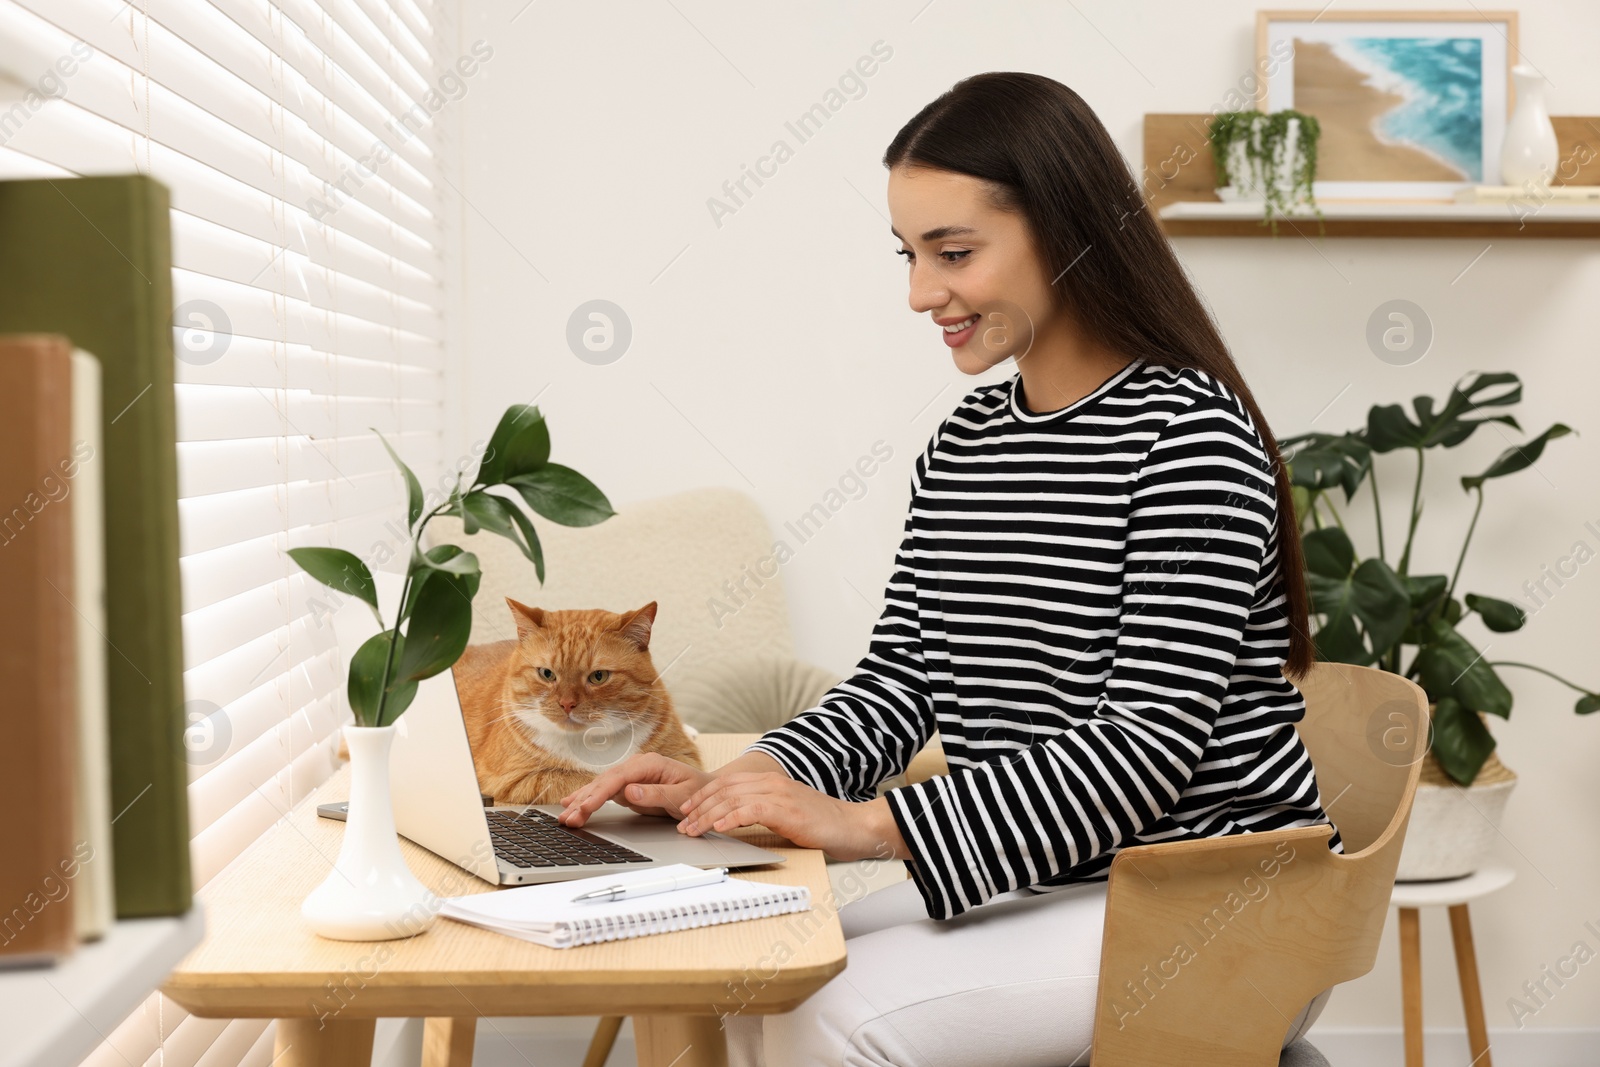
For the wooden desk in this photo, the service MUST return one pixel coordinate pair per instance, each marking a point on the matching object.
(259, 960)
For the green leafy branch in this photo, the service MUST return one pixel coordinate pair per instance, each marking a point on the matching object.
(436, 598)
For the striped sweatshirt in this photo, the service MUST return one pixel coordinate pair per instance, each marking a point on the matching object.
(1086, 606)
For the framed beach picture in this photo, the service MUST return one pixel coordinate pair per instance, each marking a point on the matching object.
(1412, 104)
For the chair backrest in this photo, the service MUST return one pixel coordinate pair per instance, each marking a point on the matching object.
(1211, 946)
(1366, 732)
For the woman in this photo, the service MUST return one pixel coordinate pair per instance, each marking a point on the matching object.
(1097, 600)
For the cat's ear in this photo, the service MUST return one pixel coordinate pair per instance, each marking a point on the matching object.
(527, 619)
(635, 625)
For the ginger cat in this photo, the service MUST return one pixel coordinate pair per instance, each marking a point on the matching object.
(573, 694)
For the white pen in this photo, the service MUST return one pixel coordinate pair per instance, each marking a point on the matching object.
(660, 885)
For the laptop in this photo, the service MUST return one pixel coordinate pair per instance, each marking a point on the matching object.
(437, 803)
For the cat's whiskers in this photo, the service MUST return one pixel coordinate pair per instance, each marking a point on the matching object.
(529, 718)
(514, 713)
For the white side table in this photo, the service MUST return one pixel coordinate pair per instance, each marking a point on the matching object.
(1453, 893)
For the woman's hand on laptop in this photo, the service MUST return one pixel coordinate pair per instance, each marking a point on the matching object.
(844, 829)
(647, 782)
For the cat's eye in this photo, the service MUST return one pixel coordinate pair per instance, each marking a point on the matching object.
(547, 674)
(598, 676)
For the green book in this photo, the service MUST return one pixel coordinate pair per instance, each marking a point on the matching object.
(92, 258)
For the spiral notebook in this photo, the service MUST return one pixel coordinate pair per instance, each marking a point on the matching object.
(547, 914)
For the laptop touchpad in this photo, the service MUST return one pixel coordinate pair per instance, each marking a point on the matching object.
(655, 833)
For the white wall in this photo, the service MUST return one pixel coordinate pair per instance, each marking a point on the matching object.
(770, 352)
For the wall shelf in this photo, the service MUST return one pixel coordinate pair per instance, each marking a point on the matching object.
(1200, 218)
(53, 1015)
(1179, 185)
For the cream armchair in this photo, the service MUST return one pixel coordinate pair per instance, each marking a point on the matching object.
(725, 654)
(721, 638)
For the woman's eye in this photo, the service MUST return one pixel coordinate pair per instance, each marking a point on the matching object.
(599, 676)
(958, 254)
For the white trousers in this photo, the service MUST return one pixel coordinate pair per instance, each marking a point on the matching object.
(1010, 983)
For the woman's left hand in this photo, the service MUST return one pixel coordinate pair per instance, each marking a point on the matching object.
(843, 829)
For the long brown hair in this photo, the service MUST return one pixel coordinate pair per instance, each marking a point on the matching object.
(1049, 158)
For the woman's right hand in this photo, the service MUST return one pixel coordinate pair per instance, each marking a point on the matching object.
(647, 782)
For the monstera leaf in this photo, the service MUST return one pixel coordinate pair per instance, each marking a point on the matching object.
(1516, 458)
(1322, 461)
(1450, 666)
(1388, 427)
(1461, 743)
(1428, 598)
(1346, 593)
(1501, 616)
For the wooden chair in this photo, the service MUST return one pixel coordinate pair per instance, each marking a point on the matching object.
(1271, 919)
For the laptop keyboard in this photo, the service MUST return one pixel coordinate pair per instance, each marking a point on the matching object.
(535, 838)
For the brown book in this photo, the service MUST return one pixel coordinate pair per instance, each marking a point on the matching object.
(38, 638)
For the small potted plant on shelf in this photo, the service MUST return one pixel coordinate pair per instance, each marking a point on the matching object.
(371, 894)
(1371, 613)
(1268, 158)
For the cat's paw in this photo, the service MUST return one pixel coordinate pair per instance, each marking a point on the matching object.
(691, 731)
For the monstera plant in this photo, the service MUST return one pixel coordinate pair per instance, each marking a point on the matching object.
(1371, 612)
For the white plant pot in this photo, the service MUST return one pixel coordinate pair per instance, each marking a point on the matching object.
(1246, 181)
(1453, 827)
(1529, 152)
(370, 895)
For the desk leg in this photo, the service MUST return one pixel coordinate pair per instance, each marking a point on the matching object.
(1411, 983)
(603, 1041)
(447, 1042)
(323, 1043)
(1471, 995)
(680, 1040)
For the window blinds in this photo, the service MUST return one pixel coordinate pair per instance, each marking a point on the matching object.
(304, 144)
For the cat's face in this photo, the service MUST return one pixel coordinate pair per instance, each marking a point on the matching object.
(584, 672)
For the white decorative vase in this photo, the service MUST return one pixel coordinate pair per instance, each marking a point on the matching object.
(370, 895)
(1529, 152)
(1452, 827)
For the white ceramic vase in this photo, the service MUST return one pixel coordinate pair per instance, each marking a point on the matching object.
(370, 895)
(1529, 152)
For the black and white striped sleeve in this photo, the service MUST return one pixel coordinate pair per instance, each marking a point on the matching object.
(869, 726)
(1199, 519)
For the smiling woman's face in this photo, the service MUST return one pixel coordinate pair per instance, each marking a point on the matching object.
(968, 258)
